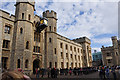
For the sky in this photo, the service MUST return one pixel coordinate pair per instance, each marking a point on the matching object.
(95, 19)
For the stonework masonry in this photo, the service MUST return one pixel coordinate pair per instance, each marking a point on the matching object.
(22, 47)
(111, 54)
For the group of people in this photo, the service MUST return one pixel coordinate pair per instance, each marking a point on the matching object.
(51, 72)
(104, 72)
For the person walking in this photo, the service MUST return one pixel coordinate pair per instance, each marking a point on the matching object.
(48, 71)
(107, 72)
(103, 72)
(119, 70)
(113, 72)
(37, 72)
(100, 73)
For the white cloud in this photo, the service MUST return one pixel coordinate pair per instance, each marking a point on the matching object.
(98, 49)
(102, 20)
(103, 41)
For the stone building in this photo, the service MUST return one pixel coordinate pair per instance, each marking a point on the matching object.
(111, 54)
(22, 47)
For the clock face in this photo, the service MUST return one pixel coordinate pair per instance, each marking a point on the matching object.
(41, 22)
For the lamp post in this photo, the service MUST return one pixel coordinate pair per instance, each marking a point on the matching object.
(42, 24)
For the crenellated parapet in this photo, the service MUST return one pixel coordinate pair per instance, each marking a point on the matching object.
(50, 14)
(7, 15)
(109, 48)
(114, 37)
(82, 40)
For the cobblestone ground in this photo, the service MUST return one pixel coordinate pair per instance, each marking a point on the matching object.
(91, 76)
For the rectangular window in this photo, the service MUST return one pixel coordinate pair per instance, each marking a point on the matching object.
(55, 64)
(108, 54)
(22, 15)
(29, 17)
(78, 50)
(50, 40)
(75, 57)
(50, 64)
(38, 50)
(66, 55)
(62, 55)
(66, 46)
(71, 55)
(50, 28)
(62, 65)
(61, 44)
(6, 44)
(55, 50)
(37, 37)
(71, 48)
(34, 49)
(75, 49)
(7, 29)
(67, 64)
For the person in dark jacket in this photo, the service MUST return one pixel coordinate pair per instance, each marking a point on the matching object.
(100, 73)
(113, 72)
(48, 71)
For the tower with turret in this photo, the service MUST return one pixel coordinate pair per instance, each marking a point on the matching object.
(21, 55)
(51, 39)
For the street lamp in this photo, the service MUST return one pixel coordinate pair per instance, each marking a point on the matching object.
(42, 24)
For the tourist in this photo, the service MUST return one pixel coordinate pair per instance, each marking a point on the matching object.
(37, 72)
(113, 72)
(103, 72)
(42, 70)
(48, 71)
(100, 73)
(119, 70)
(107, 72)
(70, 71)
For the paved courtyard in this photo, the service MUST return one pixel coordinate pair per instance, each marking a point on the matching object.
(91, 76)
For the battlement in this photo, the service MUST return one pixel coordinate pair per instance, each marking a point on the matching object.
(50, 14)
(114, 37)
(82, 39)
(7, 15)
(106, 48)
(31, 2)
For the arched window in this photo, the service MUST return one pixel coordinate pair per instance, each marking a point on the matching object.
(18, 63)
(29, 16)
(21, 30)
(27, 45)
(26, 63)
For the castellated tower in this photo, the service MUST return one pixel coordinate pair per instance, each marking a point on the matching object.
(115, 47)
(23, 38)
(114, 42)
(51, 39)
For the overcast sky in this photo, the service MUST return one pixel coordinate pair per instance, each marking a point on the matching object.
(95, 19)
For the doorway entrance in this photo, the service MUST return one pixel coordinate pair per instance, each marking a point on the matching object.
(36, 64)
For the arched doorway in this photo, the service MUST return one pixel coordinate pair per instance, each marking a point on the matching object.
(36, 64)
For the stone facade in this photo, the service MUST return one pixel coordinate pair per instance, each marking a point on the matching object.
(111, 54)
(22, 47)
